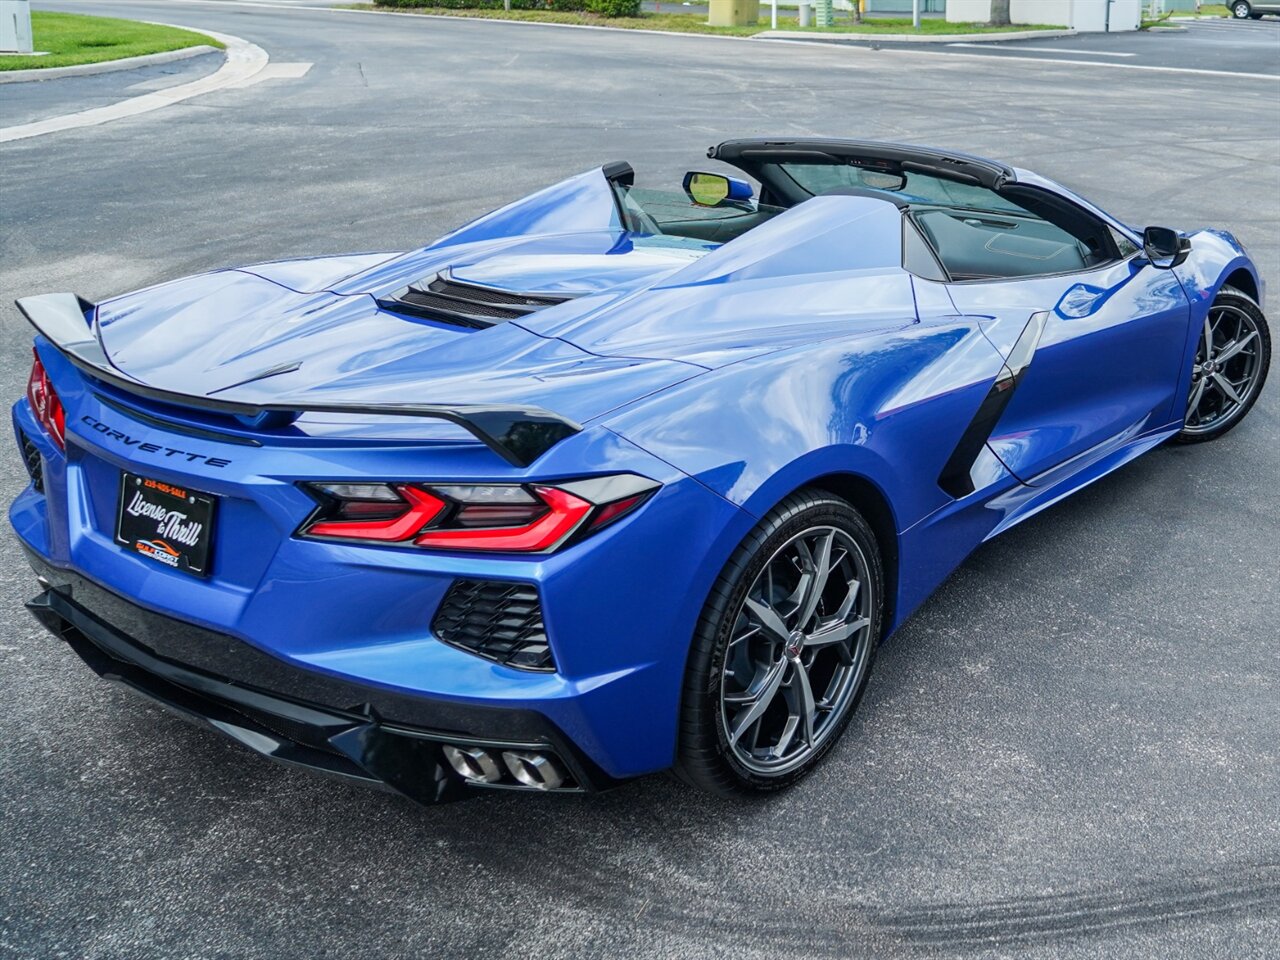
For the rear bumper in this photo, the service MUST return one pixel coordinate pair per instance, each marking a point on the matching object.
(339, 625)
(293, 716)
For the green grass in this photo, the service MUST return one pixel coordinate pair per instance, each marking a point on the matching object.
(71, 39)
(696, 23)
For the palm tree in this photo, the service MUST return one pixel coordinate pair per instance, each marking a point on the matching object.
(1000, 13)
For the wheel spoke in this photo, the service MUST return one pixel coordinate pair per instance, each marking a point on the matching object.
(821, 566)
(846, 605)
(1197, 394)
(1225, 385)
(801, 591)
(835, 632)
(779, 749)
(756, 700)
(808, 711)
(1231, 349)
(745, 635)
(1208, 340)
(769, 620)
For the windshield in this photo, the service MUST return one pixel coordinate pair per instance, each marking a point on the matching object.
(667, 213)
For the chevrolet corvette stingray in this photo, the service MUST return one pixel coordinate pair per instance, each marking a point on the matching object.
(611, 480)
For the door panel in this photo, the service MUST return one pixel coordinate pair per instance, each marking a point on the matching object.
(1107, 363)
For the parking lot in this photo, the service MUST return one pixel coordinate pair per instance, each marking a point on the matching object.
(1242, 47)
(1073, 749)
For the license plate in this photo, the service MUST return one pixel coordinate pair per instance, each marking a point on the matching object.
(169, 524)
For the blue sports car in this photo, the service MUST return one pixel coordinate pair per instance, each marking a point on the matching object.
(609, 481)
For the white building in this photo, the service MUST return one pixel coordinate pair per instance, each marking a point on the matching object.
(1085, 15)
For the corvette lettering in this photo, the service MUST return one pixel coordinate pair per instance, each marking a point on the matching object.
(155, 448)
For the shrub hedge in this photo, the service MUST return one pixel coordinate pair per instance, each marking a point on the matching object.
(605, 8)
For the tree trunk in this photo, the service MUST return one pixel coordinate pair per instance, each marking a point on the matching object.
(1000, 13)
(857, 11)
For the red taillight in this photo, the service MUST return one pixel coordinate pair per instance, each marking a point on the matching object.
(415, 510)
(45, 403)
(616, 510)
(508, 518)
(562, 518)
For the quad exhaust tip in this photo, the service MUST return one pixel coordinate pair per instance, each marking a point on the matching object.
(473, 763)
(528, 768)
(535, 770)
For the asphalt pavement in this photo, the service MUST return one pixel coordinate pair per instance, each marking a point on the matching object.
(1073, 749)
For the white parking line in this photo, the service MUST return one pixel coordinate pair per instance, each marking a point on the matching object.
(1229, 24)
(1275, 78)
(246, 63)
(1076, 53)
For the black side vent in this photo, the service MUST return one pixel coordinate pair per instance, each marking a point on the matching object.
(495, 620)
(34, 463)
(447, 300)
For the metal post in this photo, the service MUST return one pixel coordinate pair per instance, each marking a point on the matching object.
(773, 17)
(915, 14)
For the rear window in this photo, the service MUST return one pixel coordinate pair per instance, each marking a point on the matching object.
(818, 178)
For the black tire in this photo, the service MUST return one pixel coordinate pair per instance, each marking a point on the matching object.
(1241, 10)
(1231, 299)
(705, 757)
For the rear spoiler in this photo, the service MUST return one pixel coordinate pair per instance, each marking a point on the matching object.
(518, 434)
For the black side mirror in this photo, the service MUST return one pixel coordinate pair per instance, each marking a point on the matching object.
(1165, 248)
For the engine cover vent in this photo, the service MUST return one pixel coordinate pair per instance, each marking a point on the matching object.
(447, 300)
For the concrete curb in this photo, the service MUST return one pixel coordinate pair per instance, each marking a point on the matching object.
(911, 37)
(107, 66)
(244, 62)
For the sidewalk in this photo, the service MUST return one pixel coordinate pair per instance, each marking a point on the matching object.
(28, 102)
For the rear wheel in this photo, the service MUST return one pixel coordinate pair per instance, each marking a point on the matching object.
(783, 648)
(1241, 10)
(1230, 367)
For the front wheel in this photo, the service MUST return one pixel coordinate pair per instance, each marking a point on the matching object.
(1230, 367)
(1241, 10)
(783, 648)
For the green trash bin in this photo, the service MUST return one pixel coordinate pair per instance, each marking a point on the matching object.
(733, 13)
